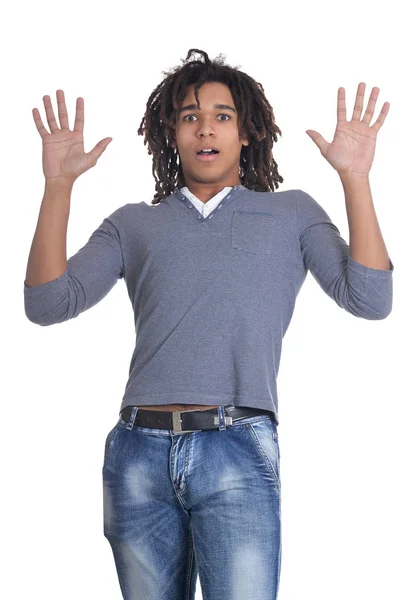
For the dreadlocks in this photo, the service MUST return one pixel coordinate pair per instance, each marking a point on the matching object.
(257, 171)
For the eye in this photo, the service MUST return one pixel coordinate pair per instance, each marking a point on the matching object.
(221, 115)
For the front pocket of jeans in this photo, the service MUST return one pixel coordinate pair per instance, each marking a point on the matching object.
(264, 436)
(253, 231)
(109, 442)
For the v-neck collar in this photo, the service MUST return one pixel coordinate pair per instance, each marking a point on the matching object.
(199, 217)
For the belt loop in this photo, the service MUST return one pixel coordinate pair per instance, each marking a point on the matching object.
(132, 417)
(222, 419)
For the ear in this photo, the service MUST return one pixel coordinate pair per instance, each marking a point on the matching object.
(243, 138)
(172, 140)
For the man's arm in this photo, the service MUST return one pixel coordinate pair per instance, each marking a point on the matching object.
(366, 244)
(47, 257)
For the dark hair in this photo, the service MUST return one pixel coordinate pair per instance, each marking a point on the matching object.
(258, 169)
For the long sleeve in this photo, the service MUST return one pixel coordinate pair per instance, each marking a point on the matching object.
(90, 275)
(362, 291)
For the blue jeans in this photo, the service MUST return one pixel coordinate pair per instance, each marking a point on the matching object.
(204, 503)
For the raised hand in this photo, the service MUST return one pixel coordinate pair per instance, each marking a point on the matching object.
(64, 157)
(353, 147)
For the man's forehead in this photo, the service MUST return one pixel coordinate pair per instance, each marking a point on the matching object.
(209, 88)
(217, 98)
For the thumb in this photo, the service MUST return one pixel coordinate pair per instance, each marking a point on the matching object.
(98, 149)
(318, 139)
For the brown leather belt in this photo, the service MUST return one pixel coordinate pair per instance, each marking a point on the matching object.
(190, 420)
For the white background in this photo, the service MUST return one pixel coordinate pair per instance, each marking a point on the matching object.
(61, 386)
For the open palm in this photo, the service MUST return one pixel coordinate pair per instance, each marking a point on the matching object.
(353, 147)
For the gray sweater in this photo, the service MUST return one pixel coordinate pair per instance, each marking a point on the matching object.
(212, 296)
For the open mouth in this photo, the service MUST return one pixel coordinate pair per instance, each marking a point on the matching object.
(207, 156)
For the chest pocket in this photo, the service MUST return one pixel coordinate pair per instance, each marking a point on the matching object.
(253, 231)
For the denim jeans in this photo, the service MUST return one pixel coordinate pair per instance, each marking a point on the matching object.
(204, 503)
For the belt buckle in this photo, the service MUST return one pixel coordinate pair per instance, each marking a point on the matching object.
(176, 421)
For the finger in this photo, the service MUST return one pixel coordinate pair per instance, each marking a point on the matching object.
(62, 110)
(341, 106)
(39, 123)
(357, 110)
(368, 115)
(380, 121)
(50, 114)
(80, 114)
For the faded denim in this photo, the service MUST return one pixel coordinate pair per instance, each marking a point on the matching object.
(204, 503)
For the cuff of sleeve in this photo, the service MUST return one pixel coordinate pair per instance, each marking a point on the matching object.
(37, 290)
(368, 271)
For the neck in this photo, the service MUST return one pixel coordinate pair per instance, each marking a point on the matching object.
(205, 192)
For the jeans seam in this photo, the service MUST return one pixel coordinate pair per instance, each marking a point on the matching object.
(109, 442)
(263, 454)
(190, 565)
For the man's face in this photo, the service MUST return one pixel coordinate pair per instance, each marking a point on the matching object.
(205, 127)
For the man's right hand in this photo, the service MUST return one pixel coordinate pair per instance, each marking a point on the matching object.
(64, 158)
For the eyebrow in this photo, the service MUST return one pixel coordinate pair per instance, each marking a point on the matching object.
(216, 106)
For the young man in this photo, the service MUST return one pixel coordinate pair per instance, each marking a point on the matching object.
(191, 470)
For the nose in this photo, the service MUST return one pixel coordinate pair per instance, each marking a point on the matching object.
(205, 129)
(204, 136)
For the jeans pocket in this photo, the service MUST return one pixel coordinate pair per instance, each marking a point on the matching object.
(264, 436)
(109, 442)
(252, 231)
